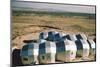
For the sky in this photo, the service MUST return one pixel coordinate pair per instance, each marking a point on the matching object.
(37, 6)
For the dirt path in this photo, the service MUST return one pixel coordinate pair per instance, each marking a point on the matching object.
(18, 42)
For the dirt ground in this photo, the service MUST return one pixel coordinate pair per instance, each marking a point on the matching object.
(29, 27)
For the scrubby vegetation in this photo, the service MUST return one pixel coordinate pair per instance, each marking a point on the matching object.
(24, 22)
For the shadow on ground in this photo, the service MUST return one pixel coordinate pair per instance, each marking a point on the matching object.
(16, 59)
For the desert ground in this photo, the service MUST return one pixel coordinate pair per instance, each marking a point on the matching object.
(28, 27)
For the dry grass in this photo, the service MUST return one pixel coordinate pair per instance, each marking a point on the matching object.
(28, 24)
(28, 27)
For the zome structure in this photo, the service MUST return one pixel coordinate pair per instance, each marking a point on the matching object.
(56, 46)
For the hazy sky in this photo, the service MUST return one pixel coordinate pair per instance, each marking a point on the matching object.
(55, 7)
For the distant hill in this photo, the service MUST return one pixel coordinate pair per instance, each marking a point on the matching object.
(30, 11)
